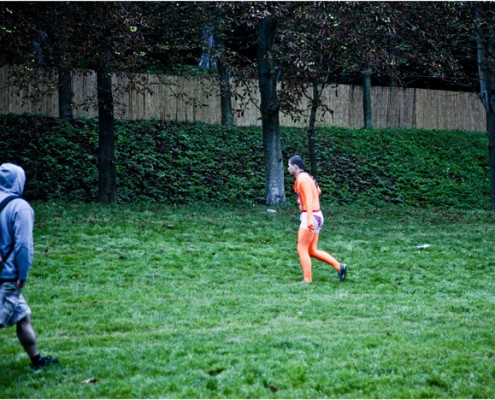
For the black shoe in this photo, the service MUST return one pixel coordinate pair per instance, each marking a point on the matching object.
(45, 362)
(342, 272)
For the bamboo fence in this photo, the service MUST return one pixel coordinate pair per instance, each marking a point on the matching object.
(174, 98)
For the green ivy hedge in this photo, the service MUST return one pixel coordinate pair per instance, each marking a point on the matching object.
(178, 162)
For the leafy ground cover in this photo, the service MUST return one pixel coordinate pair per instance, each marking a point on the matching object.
(203, 302)
(178, 163)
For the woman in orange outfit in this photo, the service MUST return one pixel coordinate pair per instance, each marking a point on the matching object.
(312, 220)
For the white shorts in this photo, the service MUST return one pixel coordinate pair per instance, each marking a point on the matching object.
(317, 219)
(13, 306)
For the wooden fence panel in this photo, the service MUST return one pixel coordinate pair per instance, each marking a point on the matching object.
(84, 94)
(192, 100)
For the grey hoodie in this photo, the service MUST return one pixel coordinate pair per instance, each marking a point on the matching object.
(16, 225)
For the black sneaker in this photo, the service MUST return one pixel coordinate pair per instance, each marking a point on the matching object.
(45, 362)
(342, 272)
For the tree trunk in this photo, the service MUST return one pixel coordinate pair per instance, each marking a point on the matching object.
(225, 94)
(490, 118)
(487, 94)
(64, 71)
(274, 166)
(368, 120)
(107, 187)
(65, 93)
(315, 103)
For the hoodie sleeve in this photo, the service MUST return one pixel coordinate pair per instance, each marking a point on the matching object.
(24, 248)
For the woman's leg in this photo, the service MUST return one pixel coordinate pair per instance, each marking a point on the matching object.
(320, 254)
(304, 239)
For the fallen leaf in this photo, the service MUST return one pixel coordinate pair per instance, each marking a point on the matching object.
(274, 389)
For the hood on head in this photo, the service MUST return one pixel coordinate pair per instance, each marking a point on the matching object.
(12, 179)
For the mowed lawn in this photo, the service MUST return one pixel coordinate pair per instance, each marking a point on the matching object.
(206, 302)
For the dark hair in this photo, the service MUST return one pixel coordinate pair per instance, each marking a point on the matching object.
(297, 160)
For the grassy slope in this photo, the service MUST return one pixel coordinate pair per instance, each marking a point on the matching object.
(197, 302)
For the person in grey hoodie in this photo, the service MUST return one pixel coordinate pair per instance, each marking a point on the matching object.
(16, 232)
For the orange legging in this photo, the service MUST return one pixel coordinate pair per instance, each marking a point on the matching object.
(307, 243)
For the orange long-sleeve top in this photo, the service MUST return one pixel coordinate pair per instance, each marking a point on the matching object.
(308, 194)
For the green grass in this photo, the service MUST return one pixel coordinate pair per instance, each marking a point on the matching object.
(204, 302)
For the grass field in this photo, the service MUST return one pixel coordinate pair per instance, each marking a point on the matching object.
(203, 302)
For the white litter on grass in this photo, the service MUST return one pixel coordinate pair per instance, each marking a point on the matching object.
(423, 246)
(271, 210)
